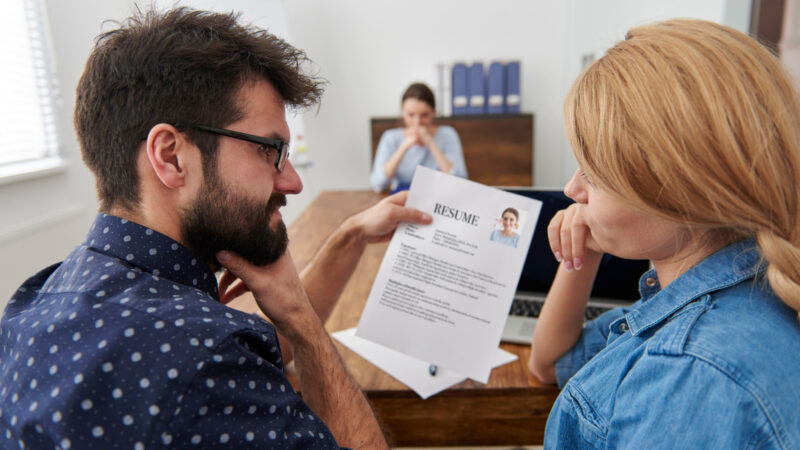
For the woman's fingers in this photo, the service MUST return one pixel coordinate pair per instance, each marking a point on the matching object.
(567, 233)
(578, 231)
(554, 234)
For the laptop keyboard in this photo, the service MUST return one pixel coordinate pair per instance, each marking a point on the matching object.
(531, 308)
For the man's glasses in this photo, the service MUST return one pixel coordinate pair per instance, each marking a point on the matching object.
(274, 148)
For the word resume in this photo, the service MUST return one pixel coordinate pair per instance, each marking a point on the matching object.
(443, 290)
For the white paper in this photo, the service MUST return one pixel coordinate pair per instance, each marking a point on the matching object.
(443, 291)
(410, 371)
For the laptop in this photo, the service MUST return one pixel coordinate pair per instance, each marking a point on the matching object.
(616, 284)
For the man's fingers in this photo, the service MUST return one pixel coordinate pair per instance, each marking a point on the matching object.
(234, 292)
(234, 264)
(399, 213)
(226, 280)
(398, 198)
(403, 214)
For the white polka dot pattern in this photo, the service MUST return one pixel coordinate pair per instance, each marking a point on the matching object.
(125, 345)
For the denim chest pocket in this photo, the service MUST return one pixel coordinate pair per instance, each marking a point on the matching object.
(591, 425)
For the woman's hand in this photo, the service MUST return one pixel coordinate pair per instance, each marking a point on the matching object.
(560, 322)
(425, 136)
(570, 238)
(419, 135)
(411, 137)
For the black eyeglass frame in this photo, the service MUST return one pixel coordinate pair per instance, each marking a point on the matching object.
(278, 144)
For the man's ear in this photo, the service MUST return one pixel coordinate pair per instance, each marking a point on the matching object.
(167, 152)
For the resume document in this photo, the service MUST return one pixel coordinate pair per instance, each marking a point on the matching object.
(443, 290)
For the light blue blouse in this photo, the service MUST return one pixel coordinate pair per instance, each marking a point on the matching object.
(497, 236)
(447, 140)
(710, 361)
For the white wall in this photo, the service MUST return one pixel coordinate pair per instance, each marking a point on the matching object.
(369, 51)
(790, 41)
(598, 25)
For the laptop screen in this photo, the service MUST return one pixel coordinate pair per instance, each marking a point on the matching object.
(617, 278)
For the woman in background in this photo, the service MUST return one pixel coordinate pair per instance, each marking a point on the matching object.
(687, 138)
(510, 222)
(401, 150)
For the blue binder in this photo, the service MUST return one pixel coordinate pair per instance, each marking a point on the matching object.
(460, 89)
(477, 89)
(497, 89)
(513, 99)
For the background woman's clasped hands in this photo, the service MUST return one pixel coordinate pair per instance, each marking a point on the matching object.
(419, 135)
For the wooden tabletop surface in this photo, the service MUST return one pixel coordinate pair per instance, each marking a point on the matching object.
(511, 409)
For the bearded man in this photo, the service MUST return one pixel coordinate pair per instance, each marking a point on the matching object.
(128, 343)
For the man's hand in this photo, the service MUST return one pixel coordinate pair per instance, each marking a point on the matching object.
(326, 386)
(377, 223)
(276, 287)
(570, 238)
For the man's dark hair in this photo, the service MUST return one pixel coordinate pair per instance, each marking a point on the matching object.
(178, 66)
(420, 92)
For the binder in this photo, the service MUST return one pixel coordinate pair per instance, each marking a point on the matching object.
(513, 98)
(477, 89)
(460, 89)
(496, 88)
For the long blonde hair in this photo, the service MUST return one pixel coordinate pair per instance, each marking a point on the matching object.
(698, 123)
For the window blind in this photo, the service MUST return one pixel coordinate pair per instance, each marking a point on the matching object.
(27, 85)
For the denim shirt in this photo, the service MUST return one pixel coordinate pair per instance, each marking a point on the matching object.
(710, 361)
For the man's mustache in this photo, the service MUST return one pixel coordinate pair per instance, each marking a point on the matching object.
(275, 202)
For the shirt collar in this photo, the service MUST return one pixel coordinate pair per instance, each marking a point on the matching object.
(151, 251)
(729, 266)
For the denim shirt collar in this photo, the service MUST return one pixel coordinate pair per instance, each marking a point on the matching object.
(729, 266)
(151, 251)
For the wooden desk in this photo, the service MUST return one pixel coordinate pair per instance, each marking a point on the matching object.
(511, 409)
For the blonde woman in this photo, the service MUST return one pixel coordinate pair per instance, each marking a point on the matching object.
(686, 135)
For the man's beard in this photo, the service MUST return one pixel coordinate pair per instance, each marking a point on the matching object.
(220, 219)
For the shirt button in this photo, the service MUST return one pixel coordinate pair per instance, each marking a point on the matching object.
(650, 281)
(623, 327)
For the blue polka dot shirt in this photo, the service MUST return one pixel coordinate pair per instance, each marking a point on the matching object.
(125, 345)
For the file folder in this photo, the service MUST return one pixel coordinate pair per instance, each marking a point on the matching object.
(459, 87)
(477, 89)
(497, 89)
(513, 98)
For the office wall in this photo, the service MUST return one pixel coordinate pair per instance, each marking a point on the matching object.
(790, 41)
(597, 25)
